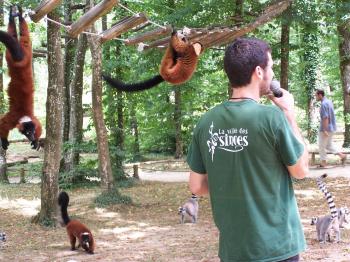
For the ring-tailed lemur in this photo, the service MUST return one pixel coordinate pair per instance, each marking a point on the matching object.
(343, 216)
(325, 224)
(189, 209)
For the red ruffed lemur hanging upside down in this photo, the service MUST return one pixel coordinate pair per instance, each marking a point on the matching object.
(21, 86)
(177, 66)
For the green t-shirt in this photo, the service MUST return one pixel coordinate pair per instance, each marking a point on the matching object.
(244, 148)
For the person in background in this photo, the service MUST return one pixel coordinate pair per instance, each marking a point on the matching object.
(244, 154)
(327, 129)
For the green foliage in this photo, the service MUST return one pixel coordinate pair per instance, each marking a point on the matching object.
(85, 174)
(106, 199)
(127, 183)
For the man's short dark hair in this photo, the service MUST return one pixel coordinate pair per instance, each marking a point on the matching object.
(242, 57)
(320, 92)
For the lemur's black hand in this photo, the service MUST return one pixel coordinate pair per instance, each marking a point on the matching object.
(4, 143)
(12, 14)
(35, 144)
(20, 11)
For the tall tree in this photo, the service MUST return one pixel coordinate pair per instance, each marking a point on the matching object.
(343, 27)
(115, 101)
(237, 19)
(69, 51)
(54, 107)
(309, 17)
(3, 164)
(285, 30)
(105, 169)
(76, 109)
(178, 124)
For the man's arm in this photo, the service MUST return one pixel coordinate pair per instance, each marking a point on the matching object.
(198, 184)
(301, 168)
(325, 123)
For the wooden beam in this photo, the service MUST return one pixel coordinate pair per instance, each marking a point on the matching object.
(140, 27)
(44, 8)
(269, 14)
(39, 53)
(215, 38)
(158, 43)
(91, 16)
(123, 26)
(150, 35)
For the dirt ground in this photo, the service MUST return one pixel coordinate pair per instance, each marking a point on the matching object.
(148, 230)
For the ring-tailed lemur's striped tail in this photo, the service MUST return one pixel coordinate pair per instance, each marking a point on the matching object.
(328, 195)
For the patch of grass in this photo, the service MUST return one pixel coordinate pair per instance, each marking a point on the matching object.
(112, 198)
(127, 183)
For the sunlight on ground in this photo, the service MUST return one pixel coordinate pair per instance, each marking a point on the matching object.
(21, 206)
(134, 231)
(306, 194)
(101, 212)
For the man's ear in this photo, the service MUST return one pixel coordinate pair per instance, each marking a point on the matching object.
(259, 72)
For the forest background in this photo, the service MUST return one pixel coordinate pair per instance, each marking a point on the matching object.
(310, 48)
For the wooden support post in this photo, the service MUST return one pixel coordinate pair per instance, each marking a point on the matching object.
(91, 16)
(136, 171)
(44, 8)
(123, 26)
(150, 35)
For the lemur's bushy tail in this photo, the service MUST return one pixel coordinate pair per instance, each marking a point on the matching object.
(63, 200)
(147, 84)
(328, 195)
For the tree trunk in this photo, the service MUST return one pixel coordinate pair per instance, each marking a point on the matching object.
(105, 169)
(2, 99)
(76, 111)
(135, 132)
(285, 48)
(344, 58)
(3, 167)
(3, 164)
(70, 48)
(238, 15)
(310, 46)
(178, 124)
(239, 9)
(54, 107)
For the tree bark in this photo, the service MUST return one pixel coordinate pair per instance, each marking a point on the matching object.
(3, 167)
(76, 111)
(54, 107)
(344, 58)
(105, 169)
(2, 99)
(178, 124)
(70, 47)
(285, 48)
(135, 132)
(3, 164)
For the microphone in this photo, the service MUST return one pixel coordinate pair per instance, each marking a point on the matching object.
(275, 87)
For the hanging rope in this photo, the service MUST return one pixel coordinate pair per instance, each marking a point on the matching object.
(137, 14)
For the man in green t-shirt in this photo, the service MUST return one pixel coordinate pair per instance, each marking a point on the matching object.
(244, 154)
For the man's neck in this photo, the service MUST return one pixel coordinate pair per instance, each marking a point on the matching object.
(245, 92)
